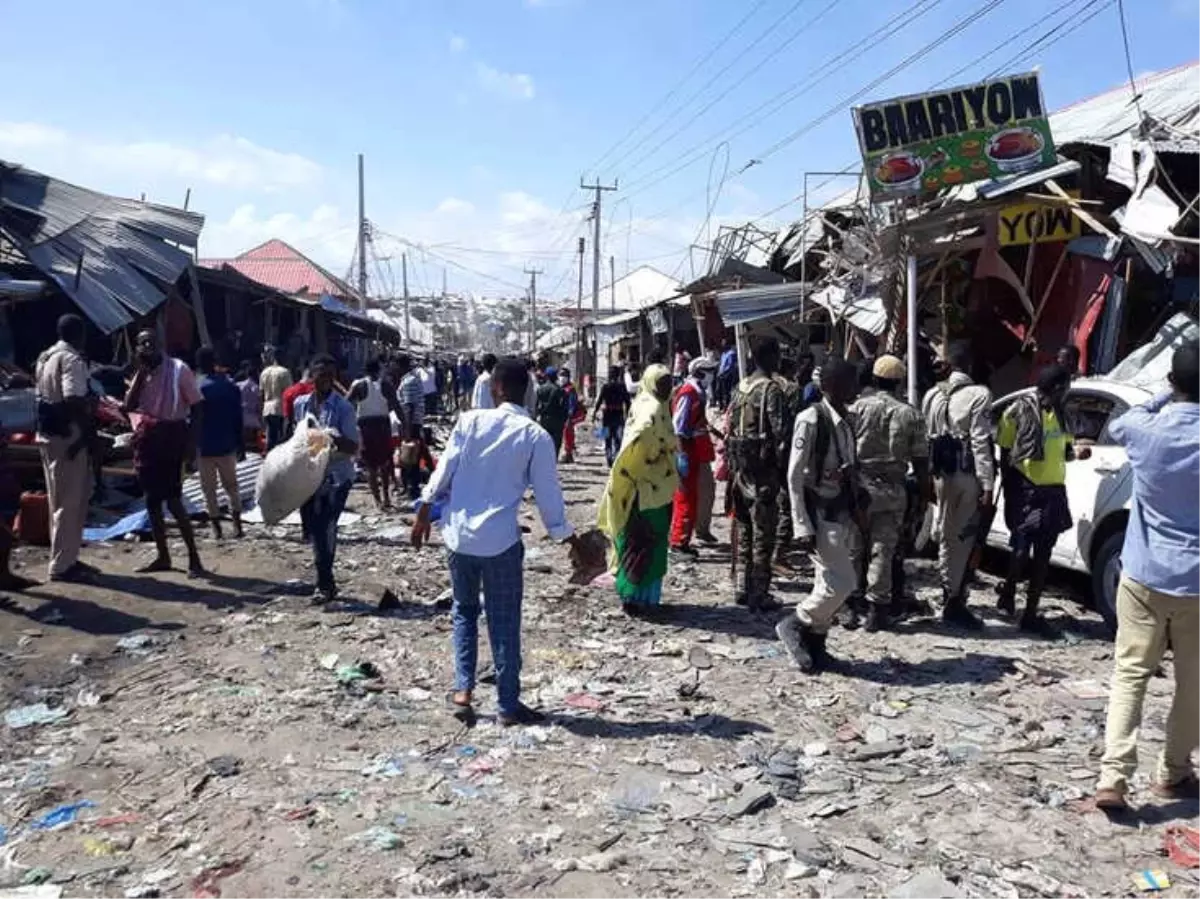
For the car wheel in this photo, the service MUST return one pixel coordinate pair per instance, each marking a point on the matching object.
(1106, 575)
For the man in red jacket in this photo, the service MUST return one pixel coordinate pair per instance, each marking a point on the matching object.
(688, 413)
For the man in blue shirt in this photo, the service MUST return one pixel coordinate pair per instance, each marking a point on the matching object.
(1158, 600)
(493, 456)
(727, 376)
(320, 514)
(220, 440)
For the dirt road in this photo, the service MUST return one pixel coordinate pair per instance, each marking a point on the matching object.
(223, 740)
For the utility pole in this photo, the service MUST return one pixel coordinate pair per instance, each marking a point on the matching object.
(599, 189)
(612, 281)
(362, 236)
(404, 282)
(579, 318)
(533, 273)
(443, 283)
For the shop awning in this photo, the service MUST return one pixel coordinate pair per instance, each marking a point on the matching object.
(752, 304)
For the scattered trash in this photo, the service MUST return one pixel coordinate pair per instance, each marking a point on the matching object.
(328, 661)
(684, 766)
(30, 715)
(99, 847)
(700, 658)
(752, 798)
(61, 816)
(583, 701)
(137, 644)
(1151, 881)
(36, 876)
(379, 839)
(1180, 843)
(225, 765)
(207, 884)
(359, 671)
(389, 601)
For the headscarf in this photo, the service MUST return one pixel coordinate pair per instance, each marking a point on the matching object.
(644, 470)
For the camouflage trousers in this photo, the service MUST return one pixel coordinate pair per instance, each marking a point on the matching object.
(784, 533)
(756, 518)
(875, 550)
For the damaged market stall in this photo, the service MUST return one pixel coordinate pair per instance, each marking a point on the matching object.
(1036, 232)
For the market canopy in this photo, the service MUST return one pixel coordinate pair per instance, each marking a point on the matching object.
(751, 304)
(114, 258)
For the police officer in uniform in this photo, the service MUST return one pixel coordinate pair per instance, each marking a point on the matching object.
(958, 420)
(826, 508)
(757, 448)
(791, 409)
(889, 436)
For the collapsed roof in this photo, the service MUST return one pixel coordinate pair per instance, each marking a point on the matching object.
(115, 258)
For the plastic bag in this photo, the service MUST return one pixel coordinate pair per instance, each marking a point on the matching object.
(293, 471)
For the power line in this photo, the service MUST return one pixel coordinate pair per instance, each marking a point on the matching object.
(792, 38)
(712, 80)
(680, 83)
(1128, 59)
(786, 96)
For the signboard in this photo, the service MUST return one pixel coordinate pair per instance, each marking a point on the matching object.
(930, 141)
(1025, 223)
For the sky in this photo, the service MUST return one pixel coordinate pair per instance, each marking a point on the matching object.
(478, 118)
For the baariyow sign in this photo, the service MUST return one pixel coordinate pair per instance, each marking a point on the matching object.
(926, 142)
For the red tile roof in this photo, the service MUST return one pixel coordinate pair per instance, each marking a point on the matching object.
(281, 266)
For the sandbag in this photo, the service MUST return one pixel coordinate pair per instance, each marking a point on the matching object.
(293, 471)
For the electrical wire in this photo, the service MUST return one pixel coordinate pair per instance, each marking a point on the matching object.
(716, 76)
(680, 83)
(788, 95)
(788, 41)
(1129, 60)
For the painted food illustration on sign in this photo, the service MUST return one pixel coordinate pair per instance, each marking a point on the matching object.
(898, 171)
(1016, 149)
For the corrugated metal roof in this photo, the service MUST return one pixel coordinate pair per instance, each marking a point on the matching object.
(1171, 97)
(864, 312)
(278, 264)
(751, 304)
(111, 256)
(642, 287)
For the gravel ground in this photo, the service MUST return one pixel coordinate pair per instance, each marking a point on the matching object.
(228, 738)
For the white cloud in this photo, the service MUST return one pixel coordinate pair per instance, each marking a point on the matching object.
(458, 43)
(325, 234)
(510, 85)
(454, 206)
(226, 161)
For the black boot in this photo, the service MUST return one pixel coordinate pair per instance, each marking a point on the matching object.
(796, 639)
(879, 618)
(956, 614)
(822, 659)
(1006, 598)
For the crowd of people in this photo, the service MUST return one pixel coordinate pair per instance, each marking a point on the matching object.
(830, 462)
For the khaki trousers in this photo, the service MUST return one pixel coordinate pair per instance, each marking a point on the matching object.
(68, 490)
(834, 575)
(958, 501)
(706, 494)
(225, 468)
(1145, 620)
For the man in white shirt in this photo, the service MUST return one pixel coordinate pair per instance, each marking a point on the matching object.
(428, 378)
(493, 456)
(481, 395)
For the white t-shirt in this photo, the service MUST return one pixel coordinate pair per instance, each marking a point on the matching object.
(428, 381)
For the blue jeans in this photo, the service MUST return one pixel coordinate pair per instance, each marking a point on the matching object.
(612, 439)
(502, 580)
(320, 517)
(275, 430)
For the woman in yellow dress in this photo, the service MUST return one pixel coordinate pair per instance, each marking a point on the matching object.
(635, 510)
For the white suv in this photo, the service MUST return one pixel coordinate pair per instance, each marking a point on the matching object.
(1100, 487)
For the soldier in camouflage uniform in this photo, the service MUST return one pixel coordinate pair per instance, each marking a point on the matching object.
(757, 451)
(889, 436)
(791, 408)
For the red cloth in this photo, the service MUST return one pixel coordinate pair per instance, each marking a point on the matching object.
(699, 448)
(687, 501)
(293, 393)
(569, 438)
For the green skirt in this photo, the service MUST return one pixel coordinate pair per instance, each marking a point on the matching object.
(648, 589)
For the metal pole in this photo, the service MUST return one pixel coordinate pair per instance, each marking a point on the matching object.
(804, 253)
(533, 273)
(579, 318)
(404, 281)
(912, 329)
(599, 189)
(612, 281)
(362, 236)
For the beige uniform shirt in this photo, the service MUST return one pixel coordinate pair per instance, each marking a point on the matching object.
(275, 379)
(61, 374)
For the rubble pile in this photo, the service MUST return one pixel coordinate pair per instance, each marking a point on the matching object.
(171, 737)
